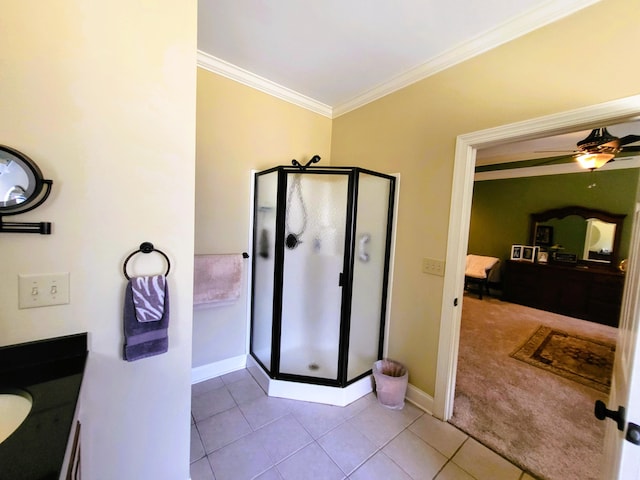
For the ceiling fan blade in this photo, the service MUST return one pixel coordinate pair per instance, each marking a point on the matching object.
(629, 139)
(633, 148)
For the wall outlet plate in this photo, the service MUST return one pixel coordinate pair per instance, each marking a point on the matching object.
(43, 289)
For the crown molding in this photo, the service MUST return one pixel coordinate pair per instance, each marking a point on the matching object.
(544, 14)
(549, 12)
(226, 69)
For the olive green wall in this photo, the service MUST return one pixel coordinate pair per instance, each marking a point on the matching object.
(501, 208)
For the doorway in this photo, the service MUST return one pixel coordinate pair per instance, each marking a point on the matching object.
(466, 148)
(463, 176)
(516, 405)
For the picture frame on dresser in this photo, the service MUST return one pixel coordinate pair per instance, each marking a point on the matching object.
(529, 254)
(516, 252)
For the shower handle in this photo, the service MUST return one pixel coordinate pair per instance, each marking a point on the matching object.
(363, 255)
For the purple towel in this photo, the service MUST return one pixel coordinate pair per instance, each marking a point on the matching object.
(144, 339)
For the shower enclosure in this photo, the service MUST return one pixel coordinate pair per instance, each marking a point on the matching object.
(322, 242)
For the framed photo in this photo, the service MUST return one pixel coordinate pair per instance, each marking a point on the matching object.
(544, 235)
(516, 252)
(529, 254)
(543, 257)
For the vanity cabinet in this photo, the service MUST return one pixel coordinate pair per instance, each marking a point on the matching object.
(71, 465)
(51, 371)
(588, 293)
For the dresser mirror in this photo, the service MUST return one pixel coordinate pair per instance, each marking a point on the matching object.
(578, 234)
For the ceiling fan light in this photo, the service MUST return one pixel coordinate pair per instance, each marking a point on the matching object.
(591, 161)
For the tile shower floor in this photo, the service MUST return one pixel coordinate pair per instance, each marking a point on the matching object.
(239, 433)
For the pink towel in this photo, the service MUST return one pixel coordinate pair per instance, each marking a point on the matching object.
(217, 280)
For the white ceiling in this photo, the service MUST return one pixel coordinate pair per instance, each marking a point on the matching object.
(335, 52)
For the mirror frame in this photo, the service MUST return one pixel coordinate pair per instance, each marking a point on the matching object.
(39, 194)
(33, 172)
(586, 213)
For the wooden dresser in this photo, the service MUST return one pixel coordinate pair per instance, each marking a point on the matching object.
(592, 293)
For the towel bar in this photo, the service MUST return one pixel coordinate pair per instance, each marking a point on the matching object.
(146, 247)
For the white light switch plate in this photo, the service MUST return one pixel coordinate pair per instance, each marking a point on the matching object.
(433, 266)
(41, 290)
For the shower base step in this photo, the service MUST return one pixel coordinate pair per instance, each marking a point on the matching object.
(308, 392)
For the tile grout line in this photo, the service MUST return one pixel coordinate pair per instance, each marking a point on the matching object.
(450, 460)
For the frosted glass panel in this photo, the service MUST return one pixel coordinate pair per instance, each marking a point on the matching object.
(264, 248)
(311, 297)
(368, 273)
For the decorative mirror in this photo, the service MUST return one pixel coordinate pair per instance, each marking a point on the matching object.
(22, 189)
(579, 234)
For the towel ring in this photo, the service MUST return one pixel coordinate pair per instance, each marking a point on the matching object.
(146, 247)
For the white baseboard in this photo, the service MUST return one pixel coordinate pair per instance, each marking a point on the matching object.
(212, 370)
(420, 399)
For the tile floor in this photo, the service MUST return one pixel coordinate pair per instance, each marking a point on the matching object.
(239, 433)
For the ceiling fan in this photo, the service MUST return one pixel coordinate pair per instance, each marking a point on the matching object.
(600, 147)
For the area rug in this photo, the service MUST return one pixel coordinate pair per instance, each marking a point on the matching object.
(578, 358)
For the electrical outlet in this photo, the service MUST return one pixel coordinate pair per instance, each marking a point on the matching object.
(433, 266)
(41, 290)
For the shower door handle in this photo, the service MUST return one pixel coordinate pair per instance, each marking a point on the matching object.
(363, 255)
(341, 280)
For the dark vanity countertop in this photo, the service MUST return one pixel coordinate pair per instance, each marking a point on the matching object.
(51, 371)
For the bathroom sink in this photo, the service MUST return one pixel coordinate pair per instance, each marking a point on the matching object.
(15, 406)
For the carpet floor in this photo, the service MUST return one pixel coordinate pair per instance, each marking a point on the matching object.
(542, 422)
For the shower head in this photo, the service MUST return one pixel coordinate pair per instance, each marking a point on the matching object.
(314, 159)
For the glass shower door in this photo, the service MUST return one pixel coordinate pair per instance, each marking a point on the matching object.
(370, 272)
(315, 223)
(263, 266)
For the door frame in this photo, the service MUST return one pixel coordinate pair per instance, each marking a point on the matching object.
(593, 116)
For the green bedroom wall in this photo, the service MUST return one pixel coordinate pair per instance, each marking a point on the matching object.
(501, 208)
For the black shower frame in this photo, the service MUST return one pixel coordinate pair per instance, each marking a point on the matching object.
(353, 174)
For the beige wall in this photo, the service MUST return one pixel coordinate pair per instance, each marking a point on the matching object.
(239, 129)
(582, 60)
(102, 96)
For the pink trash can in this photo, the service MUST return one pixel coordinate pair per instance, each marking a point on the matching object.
(391, 379)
